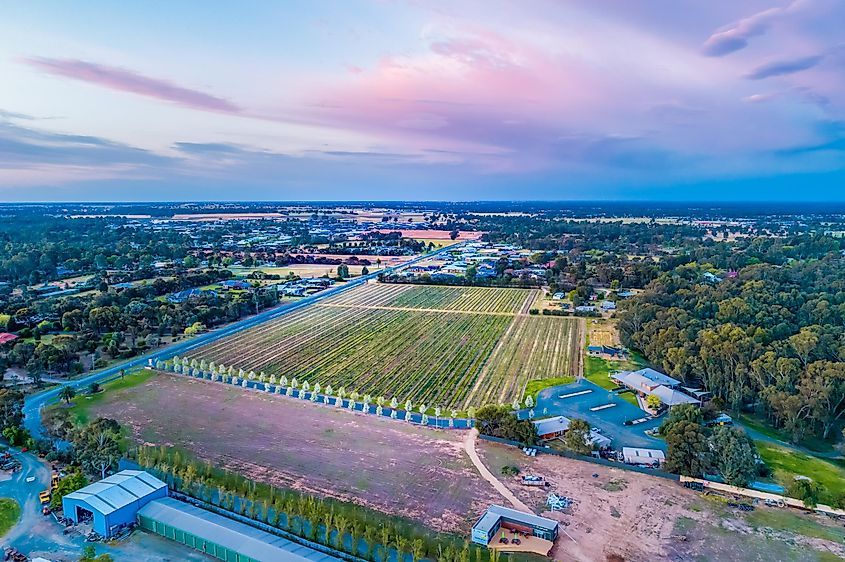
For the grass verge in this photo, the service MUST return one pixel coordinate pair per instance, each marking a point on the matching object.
(787, 463)
(81, 403)
(10, 512)
(757, 424)
(533, 387)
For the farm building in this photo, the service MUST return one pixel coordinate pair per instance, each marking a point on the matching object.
(113, 501)
(650, 382)
(645, 457)
(497, 517)
(219, 536)
(600, 350)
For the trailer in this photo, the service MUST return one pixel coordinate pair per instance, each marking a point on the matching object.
(529, 480)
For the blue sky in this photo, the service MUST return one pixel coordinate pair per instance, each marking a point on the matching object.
(381, 99)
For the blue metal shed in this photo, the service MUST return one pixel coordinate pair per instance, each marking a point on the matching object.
(113, 501)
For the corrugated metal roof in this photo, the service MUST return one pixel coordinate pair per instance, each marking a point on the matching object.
(229, 533)
(118, 490)
(551, 425)
(672, 397)
(496, 512)
(658, 377)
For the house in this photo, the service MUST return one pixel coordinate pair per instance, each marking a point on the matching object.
(625, 294)
(643, 457)
(454, 269)
(559, 296)
(235, 284)
(294, 290)
(711, 277)
(585, 308)
(485, 271)
(6, 337)
(553, 428)
(608, 305)
(614, 352)
(497, 517)
(187, 294)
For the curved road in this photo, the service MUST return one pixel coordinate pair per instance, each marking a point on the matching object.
(35, 402)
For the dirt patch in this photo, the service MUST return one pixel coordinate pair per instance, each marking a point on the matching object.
(380, 463)
(623, 515)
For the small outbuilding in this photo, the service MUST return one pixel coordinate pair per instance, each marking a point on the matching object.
(114, 501)
(498, 517)
(643, 457)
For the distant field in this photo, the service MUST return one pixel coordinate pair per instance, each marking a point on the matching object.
(303, 270)
(452, 347)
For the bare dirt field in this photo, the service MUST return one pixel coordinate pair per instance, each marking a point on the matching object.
(621, 515)
(380, 463)
(436, 234)
(386, 261)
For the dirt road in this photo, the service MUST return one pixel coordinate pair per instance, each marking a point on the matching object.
(469, 447)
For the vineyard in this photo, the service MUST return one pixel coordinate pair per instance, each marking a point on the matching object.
(459, 299)
(451, 347)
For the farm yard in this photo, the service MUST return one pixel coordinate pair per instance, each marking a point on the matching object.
(448, 347)
(396, 468)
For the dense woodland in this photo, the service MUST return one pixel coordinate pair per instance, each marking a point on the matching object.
(770, 340)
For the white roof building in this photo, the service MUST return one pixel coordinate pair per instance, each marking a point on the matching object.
(651, 382)
(650, 457)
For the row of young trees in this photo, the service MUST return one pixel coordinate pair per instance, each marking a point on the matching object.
(340, 525)
(199, 368)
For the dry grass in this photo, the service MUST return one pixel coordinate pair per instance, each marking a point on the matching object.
(381, 463)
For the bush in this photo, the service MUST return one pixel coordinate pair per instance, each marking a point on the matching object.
(806, 490)
(499, 421)
(509, 470)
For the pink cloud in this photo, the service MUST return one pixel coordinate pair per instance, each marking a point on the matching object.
(128, 81)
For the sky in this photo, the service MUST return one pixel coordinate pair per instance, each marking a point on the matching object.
(422, 100)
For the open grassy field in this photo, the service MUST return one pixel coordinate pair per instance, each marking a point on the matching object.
(394, 467)
(10, 512)
(452, 347)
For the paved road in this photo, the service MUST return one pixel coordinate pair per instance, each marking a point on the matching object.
(34, 403)
(25, 493)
